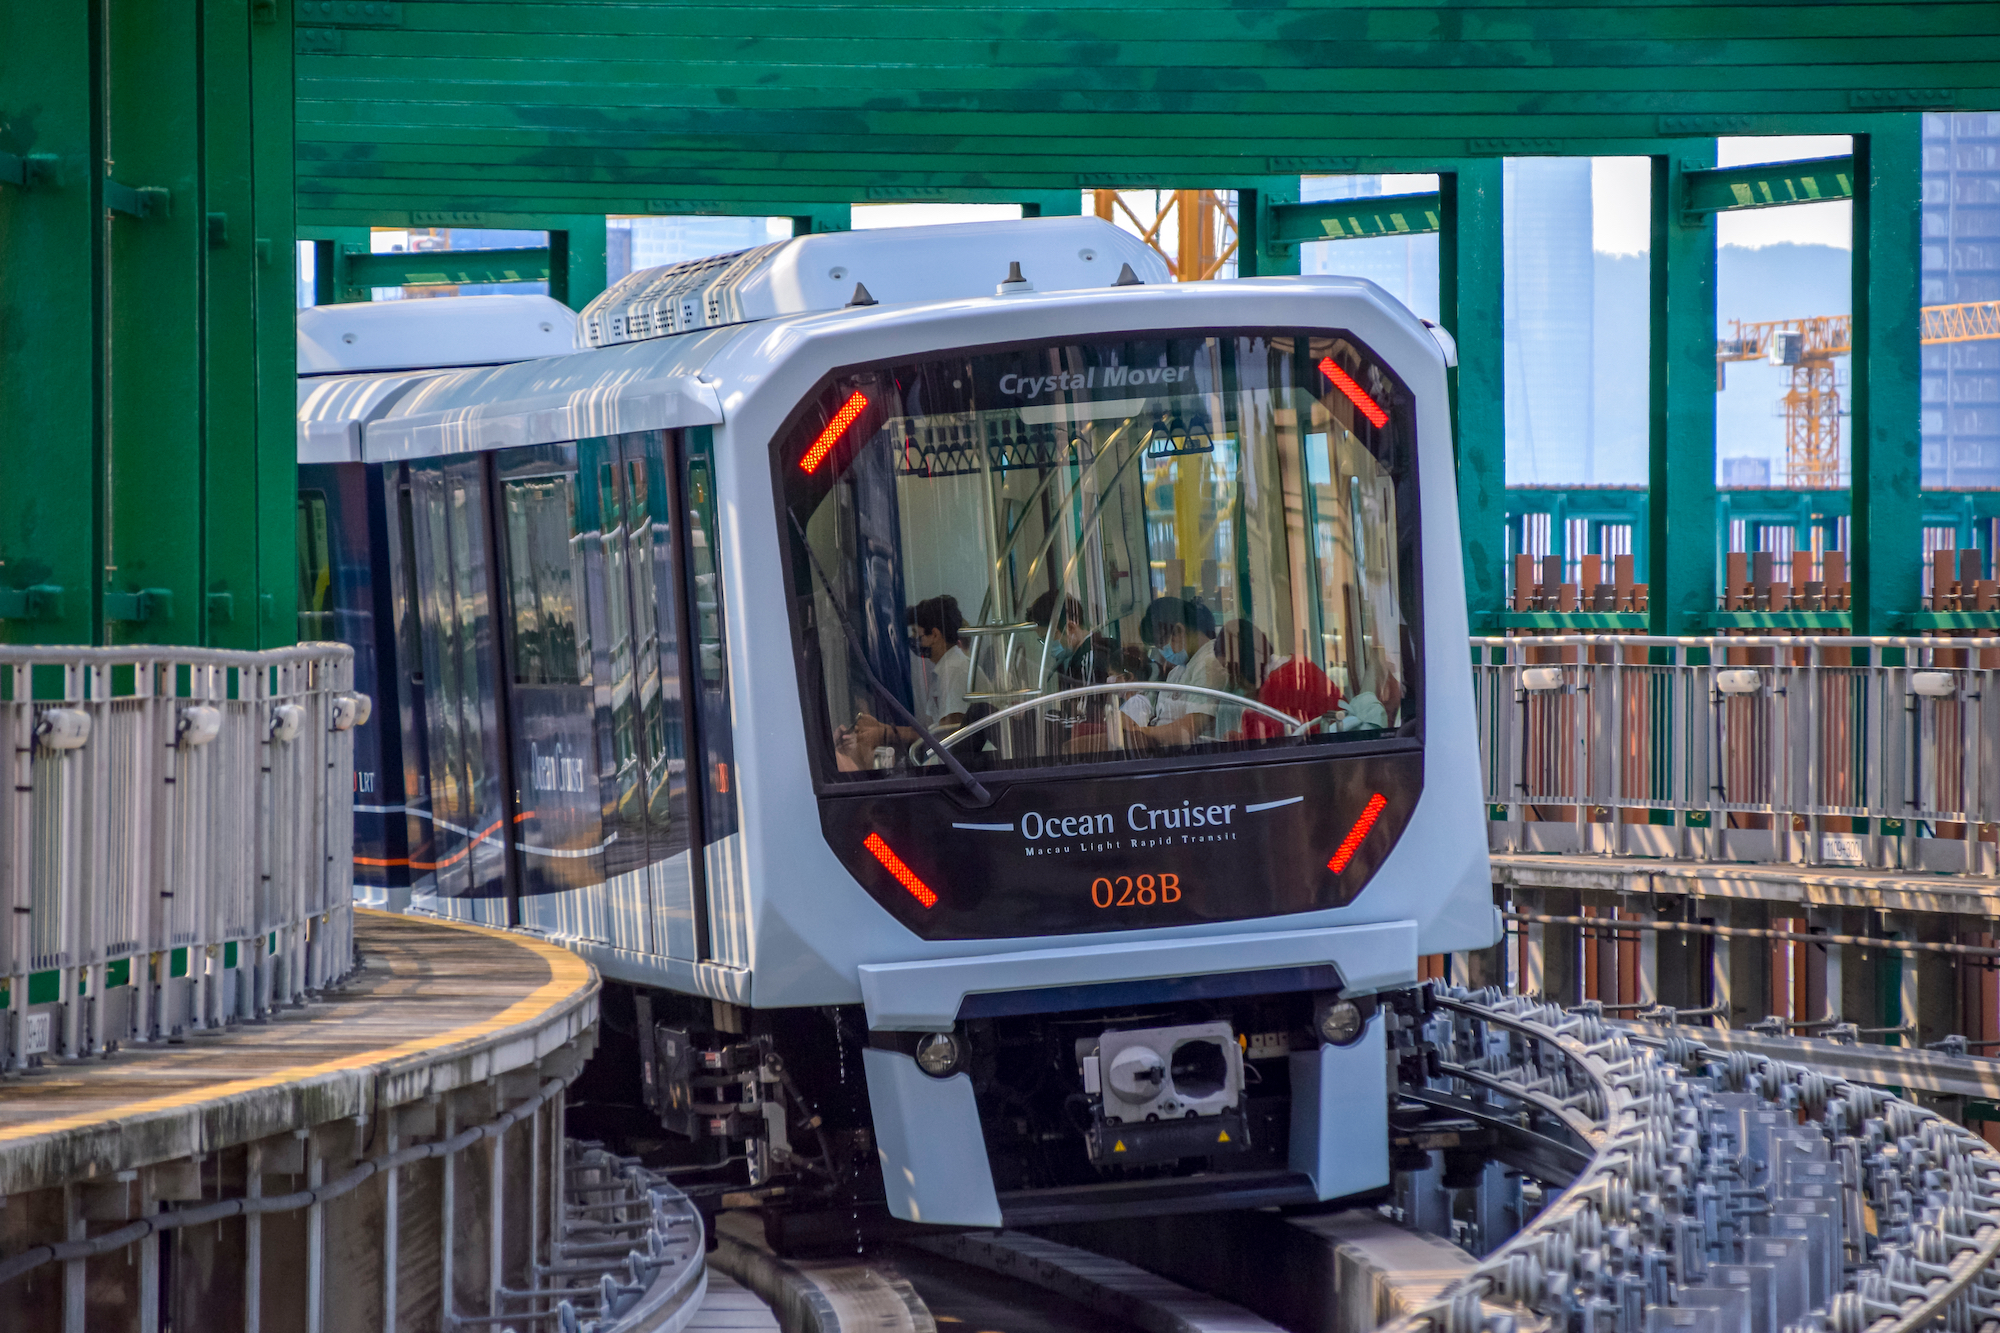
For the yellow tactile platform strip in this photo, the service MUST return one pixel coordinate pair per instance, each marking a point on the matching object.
(436, 1005)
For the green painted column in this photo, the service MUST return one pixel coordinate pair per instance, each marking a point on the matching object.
(576, 259)
(50, 303)
(149, 416)
(1051, 203)
(832, 217)
(276, 298)
(1258, 253)
(1472, 283)
(331, 248)
(153, 586)
(228, 604)
(1681, 574)
(1885, 446)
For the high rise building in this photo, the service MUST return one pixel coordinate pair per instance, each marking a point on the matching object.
(1961, 262)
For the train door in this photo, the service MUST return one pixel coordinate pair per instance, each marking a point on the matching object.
(468, 795)
(704, 662)
(409, 681)
(636, 598)
(564, 832)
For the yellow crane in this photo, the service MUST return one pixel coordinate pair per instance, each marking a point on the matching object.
(1812, 401)
(1204, 219)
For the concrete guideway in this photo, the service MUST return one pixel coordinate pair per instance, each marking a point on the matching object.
(1814, 886)
(435, 1006)
(417, 1108)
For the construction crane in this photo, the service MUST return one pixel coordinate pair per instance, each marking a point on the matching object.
(1204, 219)
(1812, 401)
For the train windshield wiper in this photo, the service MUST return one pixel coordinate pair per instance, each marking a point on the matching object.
(972, 784)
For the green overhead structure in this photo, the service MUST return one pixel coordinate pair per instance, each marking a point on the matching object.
(151, 160)
(147, 401)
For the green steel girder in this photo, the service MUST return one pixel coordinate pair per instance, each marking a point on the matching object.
(1681, 588)
(447, 268)
(1768, 185)
(1353, 219)
(1472, 266)
(157, 413)
(1885, 443)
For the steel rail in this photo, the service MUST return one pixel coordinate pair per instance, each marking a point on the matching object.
(1933, 1256)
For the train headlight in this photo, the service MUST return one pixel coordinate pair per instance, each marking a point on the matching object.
(940, 1054)
(1340, 1023)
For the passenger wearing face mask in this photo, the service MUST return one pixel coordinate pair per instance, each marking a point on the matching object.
(1181, 634)
(1060, 635)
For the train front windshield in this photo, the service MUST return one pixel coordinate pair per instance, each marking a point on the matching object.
(1105, 550)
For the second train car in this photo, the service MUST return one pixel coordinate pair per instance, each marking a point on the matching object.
(1000, 716)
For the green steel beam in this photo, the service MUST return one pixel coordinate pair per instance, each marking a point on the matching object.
(448, 268)
(231, 536)
(1260, 253)
(578, 255)
(1353, 219)
(158, 412)
(1051, 203)
(1681, 587)
(1472, 282)
(1769, 185)
(157, 466)
(51, 513)
(273, 98)
(830, 217)
(1886, 436)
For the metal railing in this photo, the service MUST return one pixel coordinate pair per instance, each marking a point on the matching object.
(175, 839)
(1822, 751)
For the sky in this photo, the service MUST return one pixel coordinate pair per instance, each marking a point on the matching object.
(1621, 200)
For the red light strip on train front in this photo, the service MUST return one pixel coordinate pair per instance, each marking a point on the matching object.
(1355, 393)
(894, 865)
(1352, 842)
(834, 429)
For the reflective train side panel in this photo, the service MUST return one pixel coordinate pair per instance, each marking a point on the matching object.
(1009, 741)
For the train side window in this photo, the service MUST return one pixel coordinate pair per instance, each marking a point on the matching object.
(315, 568)
(542, 578)
(709, 656)
(408, 615)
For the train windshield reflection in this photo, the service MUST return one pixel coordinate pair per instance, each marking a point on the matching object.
(1106, 549)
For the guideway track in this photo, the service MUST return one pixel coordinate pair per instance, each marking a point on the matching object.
(1689, 1144)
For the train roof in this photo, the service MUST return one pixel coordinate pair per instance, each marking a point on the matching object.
(944, 277)
(891, 266)
(687, 380)
(432, 334)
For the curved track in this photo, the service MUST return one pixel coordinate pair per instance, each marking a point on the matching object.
(1694, 1164)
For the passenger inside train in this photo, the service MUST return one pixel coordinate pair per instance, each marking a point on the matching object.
(1210, 544)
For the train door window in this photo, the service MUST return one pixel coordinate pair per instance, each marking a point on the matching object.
(708, 658)
(315, 569)
(561, 831)
(412, 709)
(620, 771)
(649, 529)
(408, 637)
(541, 578)
(461, 673)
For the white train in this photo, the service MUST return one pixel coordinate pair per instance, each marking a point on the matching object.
(1001, 717)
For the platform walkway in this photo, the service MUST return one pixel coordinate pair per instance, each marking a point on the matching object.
(298, 1155)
